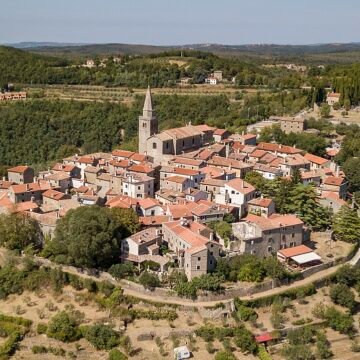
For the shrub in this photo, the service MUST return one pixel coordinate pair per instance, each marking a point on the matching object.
(301, 336)
(342, 295)
(323, 346)
(121, 271)
(39, 349)
(149, 281)
(10, 345)
(262, 353)
(116, 354)
(103, 337)
(245, 313)
(62, 327)
(41, 328)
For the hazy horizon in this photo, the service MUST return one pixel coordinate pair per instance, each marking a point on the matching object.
(171, 22)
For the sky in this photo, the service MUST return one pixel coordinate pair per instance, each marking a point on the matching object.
(176, 22)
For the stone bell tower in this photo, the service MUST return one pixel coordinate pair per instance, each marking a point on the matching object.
(148, 124)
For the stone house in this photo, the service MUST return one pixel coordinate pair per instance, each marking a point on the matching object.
(21, 175)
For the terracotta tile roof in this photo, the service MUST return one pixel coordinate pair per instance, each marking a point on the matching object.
(263, 202)
(279, 148)
(141, 168)
(332, 196)
(122, 153)
(177, 179)
(122, 201)
(179, 211)
(238, 145)
(220, 132)
(63, 167)
(335, 95)
(258, 153)
(332, 152)
(315, 159)
(26, 206)
(121, 164)
(139, 157)
(183, 132)
(92, 169)
(19, 169)
(268, 158)
(275, 221)
(221, 161)
(154, 220)
(294, 251)
(333, 180)
(240, 186)
(56, 195)
(148, 203)
(310, 175)
(187, 172)
(4, 185)
(205, 154)
(248, 136)
(33, 187)
(145, 236)
(104, 177)
(86, 160)
(57, 176)
(214, 182)
(187, 161)
(212, 172)
(204, 128)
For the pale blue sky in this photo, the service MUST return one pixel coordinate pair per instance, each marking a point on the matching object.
(167, 22)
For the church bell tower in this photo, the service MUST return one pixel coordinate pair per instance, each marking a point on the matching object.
(148, 124)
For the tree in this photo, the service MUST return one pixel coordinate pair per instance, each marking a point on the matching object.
(297, 352)
(296, 177)
(17, 231)
(342, 295)
(323, 346)
(126, 220)
(339, 321)
(301, 336)
(346, 225)
(302, 201)
(351, 168)
(103, 337)
(245, 340)
(255, 179)
(121, 271)
(62, 327)
(224, 230)
(325, 110)
(149, 281)
(224, 355)
(86, 237)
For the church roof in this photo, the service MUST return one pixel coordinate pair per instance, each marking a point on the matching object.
(148, 106)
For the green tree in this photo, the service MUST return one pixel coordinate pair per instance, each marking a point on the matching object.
(297, 352)
(302, 201)
(323, 346)
(121, 271)
(18, 231)
(148, 280)
(255, 179)
(86, 237)
(296, 177)
(351, 168)
(126, 220)
(245, 340)
(62, 327)
(342, 295)
(346, 225)
(103, 337)
(325, 110)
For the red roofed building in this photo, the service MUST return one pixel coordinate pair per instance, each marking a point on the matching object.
(193, 246)
(337, 185)
(261, 206)
(21, 175)
(317, 162)
(278, 149)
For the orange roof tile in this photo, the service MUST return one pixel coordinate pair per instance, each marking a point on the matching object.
(333, 180)
(19, 169)
(315, 159)
(294, 251)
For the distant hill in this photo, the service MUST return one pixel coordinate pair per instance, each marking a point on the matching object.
(315, 53)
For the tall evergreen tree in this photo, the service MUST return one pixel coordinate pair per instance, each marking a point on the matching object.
(346, 225)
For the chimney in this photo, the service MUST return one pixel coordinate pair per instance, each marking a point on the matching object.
(211, 236)
(337, 171)
(3, 178)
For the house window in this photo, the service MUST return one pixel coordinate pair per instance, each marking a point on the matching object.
(292, 235)
(193, 141)
(198, 267)
(152, 212)
(138, 187)
(210, 262)
(154, 145)
(199, 258)
(167, 145)
(183, 143)
(211, 253)
(269, 249)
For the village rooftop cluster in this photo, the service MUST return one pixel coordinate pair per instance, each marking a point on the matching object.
(180, 180)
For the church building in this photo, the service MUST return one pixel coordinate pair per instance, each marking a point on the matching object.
(169, 142)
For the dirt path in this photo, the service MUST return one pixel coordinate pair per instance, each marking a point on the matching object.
(151, 296)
